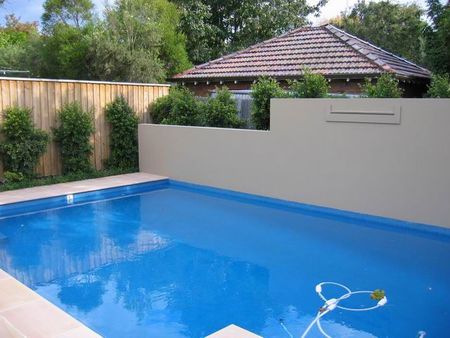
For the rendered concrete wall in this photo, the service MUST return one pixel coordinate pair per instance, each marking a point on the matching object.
(399, 170)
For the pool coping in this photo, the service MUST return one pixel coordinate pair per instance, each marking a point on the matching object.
(23, 312)
(26, 314)
(62, 189)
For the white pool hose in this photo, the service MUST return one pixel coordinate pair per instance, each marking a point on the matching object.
(333, 303)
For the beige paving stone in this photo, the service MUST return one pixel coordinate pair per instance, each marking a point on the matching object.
(79, 332)
(7, 330)
(13, 294)
(233, 331)
(3, 275)
(40, 319)
(53, 190)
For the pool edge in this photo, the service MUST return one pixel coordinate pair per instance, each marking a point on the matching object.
(370, 220)
(18, 313)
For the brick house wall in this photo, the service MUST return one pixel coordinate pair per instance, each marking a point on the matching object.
(337, 86)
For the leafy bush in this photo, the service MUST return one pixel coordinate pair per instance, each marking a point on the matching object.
(439, 86)
(180, 107)
(23, 144)
(262, 91)
(12, 177)
(386, 86)
(123, 135)
(160, 109)
(310, 86)
(221, 111)
(73, 134)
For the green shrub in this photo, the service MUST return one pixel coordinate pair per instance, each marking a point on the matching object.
(160, 109)
(439, 86)
(263, 90)
(123, 135)
(220, 111)
(23, 144)
(73, 134)
(386, 86)
(310, 86)
(12, 177)
(180, 107)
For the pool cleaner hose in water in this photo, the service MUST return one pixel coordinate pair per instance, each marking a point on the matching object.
(333, 303)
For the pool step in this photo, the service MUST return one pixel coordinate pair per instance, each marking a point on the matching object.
(233, 331)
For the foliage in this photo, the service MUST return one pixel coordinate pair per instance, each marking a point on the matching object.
(220, 111)
(395, 27)
(123, 135)
(263, 90)
(214, 27)
(438, 37)
(310, 86)
(63, 53)
(138, 42)
(27, 182)
(73, 134)
(439, 86)
(377, 294)
(386, 86)
(23, 144)
(15, 40)
(75, 13)
(13, 177)
(180, 107)
(15, 32)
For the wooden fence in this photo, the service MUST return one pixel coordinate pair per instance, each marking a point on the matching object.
(46, 97)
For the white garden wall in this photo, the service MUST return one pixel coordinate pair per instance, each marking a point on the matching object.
(392, 160)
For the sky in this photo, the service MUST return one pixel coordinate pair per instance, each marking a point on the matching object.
(31, 10)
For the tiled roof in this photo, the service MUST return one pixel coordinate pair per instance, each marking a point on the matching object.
(325, 49)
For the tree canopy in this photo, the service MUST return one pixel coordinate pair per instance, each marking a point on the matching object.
(437, 36)
(138, 41)
(150, 40)
(392, 26)
(75, 13)
(216, 27)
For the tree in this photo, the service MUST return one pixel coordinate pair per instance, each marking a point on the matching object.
(395, 27)
(236, 24)
(16, 39)
(68, 27)
(75, 13)
(437, 36)
(63, 54)
(138, 42)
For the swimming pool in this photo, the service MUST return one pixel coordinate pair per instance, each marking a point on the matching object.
(170, 259)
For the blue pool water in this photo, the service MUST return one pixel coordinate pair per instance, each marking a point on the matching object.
(180, 261)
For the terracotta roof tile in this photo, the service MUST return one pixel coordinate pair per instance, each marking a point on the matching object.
(324, 49)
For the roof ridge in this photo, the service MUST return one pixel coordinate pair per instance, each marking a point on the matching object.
(227, 56)
(330, 28)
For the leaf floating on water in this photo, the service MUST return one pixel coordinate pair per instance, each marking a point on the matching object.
(377, 294)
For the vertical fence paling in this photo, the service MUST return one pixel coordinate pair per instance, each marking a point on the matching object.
(46, 97)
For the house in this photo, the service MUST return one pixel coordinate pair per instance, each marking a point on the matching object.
(345, 60)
